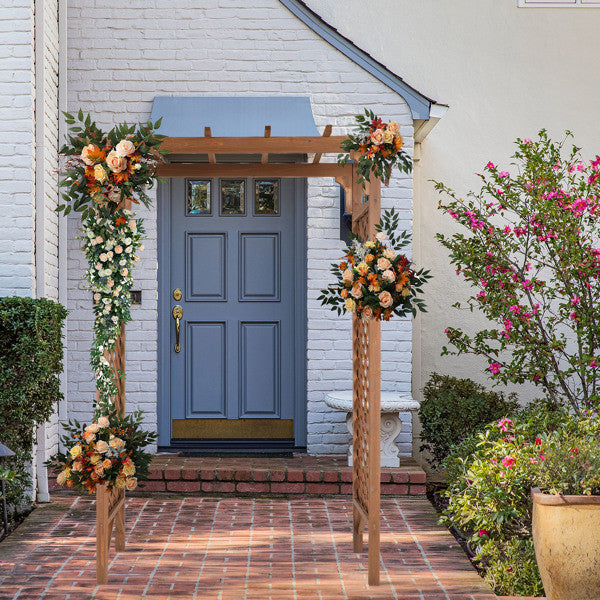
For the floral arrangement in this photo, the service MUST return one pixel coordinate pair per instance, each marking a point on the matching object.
(108, 451)
(377, 146)
(104, 173)
(529, 249)
(374, 280)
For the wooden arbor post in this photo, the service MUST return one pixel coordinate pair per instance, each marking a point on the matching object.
(366, 392)
(110, 505)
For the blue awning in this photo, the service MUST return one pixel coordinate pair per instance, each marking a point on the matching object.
(234, 116)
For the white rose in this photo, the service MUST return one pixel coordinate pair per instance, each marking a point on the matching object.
(129, 249)
(125, 148)
(381, 236)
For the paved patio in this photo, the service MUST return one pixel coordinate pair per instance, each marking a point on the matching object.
(234, 549)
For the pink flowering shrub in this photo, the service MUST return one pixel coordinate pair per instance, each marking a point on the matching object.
(532, 254)
(489, 487)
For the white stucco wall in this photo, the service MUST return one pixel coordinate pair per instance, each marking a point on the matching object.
(505, 72)
(119, 58)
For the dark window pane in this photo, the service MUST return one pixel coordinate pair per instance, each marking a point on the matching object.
(198, 197)
(266, 199)
(232, 197)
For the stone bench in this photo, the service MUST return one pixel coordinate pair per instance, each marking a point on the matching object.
(392, 403)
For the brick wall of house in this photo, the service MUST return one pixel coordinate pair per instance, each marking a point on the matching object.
(119, 59)
(17, 161)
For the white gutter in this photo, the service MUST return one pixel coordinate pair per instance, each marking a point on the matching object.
(424, 126)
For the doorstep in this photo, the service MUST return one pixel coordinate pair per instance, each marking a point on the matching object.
(299, 474)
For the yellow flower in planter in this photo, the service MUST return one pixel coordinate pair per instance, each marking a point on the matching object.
(95, 459)
(350, 305)
(100, 173)
(75, 451)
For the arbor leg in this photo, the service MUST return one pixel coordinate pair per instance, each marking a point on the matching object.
(120, 525)
(102, 535)
(357, 530)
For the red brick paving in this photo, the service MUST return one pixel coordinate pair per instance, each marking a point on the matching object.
(228, 548)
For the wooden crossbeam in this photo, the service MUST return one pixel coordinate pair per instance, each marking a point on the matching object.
(326, 134)
(254, 170)
(253, 145)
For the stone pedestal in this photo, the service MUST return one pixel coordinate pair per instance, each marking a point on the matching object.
(392, 403)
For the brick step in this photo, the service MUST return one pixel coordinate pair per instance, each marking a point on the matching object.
(299, 475)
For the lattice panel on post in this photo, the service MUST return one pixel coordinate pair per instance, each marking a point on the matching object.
(366, 348)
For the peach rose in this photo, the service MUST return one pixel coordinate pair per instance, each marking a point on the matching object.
(99, 470)
(107, 463)
(125, 148)
(93, 428)
(381, 236)
(377, 137)
(116, 163)
(389, 253)
(88, 436)
(348, 276)
(116, 443)
(118, 249)
(369, 258)
(98, 239)
(385, 299)
(101, 447)
(85, 154)
(393, 127)
(100, 173)
(131, 483)
(388, 137)
(367, 313)
(63, 476)
(95, 458)
(384, 264)
(388, 275)
(357, 291)
(97, 297)
(77, 465)
(350, 305)
(103, 422)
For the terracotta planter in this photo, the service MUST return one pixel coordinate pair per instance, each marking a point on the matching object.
(566, 536)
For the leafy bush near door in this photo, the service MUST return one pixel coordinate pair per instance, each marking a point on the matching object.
(455, 408)
(31, 354)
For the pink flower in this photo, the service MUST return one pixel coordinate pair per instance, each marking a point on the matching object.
(507, 230)
(504, 423)
(483, 532)
(503, 174)
(527, 141)
(575, 300)
(495, 367)
(490, 165)
(508, 461)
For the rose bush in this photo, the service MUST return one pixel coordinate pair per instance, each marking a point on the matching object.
(532, 254)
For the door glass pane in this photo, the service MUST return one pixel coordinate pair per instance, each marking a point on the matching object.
(266, 198)
(232, 197)
(198, 197)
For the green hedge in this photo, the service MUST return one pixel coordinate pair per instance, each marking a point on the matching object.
(31, 354)
(454, 408)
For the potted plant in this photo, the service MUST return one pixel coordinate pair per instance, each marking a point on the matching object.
(566, 511)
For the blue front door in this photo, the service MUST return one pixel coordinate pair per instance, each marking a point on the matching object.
(232, 278)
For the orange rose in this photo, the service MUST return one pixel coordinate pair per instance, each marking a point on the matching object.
(377, 137)
(357, 291)
(369, 258)
(344, 294)
(384, 264)
(367, 313)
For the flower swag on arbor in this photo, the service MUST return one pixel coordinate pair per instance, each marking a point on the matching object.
(104, 171)
(104, 174)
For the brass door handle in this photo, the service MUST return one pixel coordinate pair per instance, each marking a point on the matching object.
(177, 314)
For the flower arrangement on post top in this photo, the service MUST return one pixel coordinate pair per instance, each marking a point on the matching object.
(105, 172)
(374, 280)
(377, 147)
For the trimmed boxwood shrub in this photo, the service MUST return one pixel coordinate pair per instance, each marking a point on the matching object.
(454, 408)
(31, 354)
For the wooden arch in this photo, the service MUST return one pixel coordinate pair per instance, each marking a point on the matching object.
(197, 157)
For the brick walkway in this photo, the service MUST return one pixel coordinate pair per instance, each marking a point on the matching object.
(235, 549)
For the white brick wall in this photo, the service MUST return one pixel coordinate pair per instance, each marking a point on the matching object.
(17, 267)
(120, 58)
